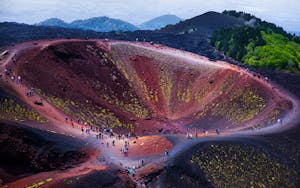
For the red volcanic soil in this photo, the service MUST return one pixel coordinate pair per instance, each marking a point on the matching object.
(145, 146)
(149, 145)
(147, 88)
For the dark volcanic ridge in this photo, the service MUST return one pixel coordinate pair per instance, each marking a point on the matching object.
(26, 151)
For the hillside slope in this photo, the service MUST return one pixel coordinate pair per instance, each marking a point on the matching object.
(260, 44)
(204, 24)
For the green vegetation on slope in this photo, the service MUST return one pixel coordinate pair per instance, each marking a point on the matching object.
(259, 44)
(234, 40)
(277, 53)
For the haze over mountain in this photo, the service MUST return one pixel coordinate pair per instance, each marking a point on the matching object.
(53, 22)
(100, 24)
(106, 24)
(159, 22)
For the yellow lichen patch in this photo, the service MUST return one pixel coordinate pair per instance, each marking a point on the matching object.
(243, 105)
(184, 96)
(238, 165)
(270, 119)
(93, 115)
(133, 106)
(166, 84)
(14, 111)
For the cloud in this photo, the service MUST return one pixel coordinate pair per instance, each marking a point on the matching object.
(285, 13)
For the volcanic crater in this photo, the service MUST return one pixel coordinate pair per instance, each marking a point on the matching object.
(148, 88)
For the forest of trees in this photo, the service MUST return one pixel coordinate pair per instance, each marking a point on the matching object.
(261, 45)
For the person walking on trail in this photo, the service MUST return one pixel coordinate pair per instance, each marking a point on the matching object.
(19, 80)
(113, 142)
(166, 152)
(125, 151)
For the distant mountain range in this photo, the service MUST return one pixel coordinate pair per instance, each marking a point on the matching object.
(100, 24)
(191, 35)
(160, 22)
(106, 24)
(195, 41)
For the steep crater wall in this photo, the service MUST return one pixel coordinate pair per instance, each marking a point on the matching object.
(142, 87)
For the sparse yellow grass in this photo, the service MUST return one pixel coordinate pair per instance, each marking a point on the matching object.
(243, 105)
(237, 165)
(14, 111)
(166, 84)
(93, 115)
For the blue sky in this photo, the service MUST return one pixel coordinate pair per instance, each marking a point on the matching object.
(285, 13)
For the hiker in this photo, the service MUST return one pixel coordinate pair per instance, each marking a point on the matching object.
(125, 152)
(142, 162)
(19, 79)
(32, 90)
(166, 152)
(113, 142)
(6, 72)
(66, 119)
